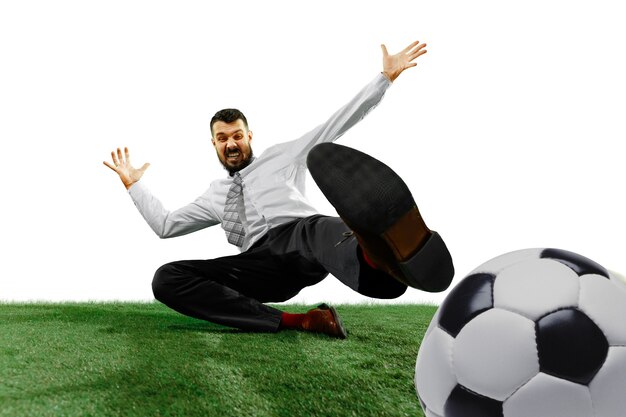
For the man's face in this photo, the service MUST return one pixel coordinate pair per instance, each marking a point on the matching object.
(232, 144)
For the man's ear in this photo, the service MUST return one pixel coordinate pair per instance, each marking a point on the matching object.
(249, 135)
(213, 142)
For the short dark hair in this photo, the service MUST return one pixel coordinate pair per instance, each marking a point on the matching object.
(228, 116)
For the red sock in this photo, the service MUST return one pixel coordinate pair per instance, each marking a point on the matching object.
(367, 260)
(291, 321)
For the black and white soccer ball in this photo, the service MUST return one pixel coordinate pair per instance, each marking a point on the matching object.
(531, 333)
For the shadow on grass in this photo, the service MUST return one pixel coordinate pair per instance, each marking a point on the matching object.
(143, 359)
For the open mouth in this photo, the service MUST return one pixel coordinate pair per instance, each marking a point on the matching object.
(232, 156)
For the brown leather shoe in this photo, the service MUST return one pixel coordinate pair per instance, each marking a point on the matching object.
(324, 319)
(377, 205)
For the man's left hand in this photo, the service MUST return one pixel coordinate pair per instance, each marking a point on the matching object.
(393, 65)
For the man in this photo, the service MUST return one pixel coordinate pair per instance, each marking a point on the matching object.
(378, 246)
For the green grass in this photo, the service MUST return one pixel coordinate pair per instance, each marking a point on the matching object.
(133, 359)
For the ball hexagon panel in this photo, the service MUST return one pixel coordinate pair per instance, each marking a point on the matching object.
(497, 264)
(535, 287)
(608, 388)
(566, 399)
(495, 353)
(465, 403)
(603, 300)
(570, 345)
(434, 323)
(470, 297)
(578, 263)
(429, 413)
(618, 279)
(434, 364)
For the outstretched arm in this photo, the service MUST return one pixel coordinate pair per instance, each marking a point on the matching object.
(357, 108)
(123, 168)
(393, 65)
(194, 216)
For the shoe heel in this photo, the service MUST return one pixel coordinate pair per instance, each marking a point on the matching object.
(431, 268)
(407, 235)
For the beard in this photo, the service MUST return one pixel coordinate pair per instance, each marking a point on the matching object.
(241, 165)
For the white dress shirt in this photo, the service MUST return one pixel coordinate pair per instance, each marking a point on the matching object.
(273, 184)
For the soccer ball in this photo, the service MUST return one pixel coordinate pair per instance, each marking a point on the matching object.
(532, 333)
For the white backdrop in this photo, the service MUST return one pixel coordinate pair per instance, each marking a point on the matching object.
(509, 132)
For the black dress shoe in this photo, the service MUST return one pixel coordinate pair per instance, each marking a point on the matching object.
(377, 205)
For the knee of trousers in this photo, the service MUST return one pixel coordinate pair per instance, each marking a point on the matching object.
(162, 283)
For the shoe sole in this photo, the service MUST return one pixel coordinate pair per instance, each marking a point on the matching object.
(366, 193)
(377, 204)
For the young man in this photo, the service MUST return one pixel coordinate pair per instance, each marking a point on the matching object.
(378, 246)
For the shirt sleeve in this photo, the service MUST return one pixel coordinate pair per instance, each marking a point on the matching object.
(190, 218)
(342, 120)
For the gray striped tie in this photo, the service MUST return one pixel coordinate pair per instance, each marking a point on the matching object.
(232, 223)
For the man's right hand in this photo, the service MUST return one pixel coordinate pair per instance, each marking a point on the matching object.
(123, 168)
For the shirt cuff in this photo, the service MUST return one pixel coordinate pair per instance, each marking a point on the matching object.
(136, 189)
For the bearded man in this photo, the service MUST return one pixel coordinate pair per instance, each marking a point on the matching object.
(378, 246)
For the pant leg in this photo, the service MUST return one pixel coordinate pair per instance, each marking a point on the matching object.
(231, 290)
(328, 241)
(193, 288)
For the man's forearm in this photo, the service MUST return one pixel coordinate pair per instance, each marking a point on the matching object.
(344, 118)
(166, 224)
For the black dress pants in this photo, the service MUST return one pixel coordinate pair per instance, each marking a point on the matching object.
(231, 290)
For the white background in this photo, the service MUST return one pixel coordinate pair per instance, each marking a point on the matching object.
(509, 132)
